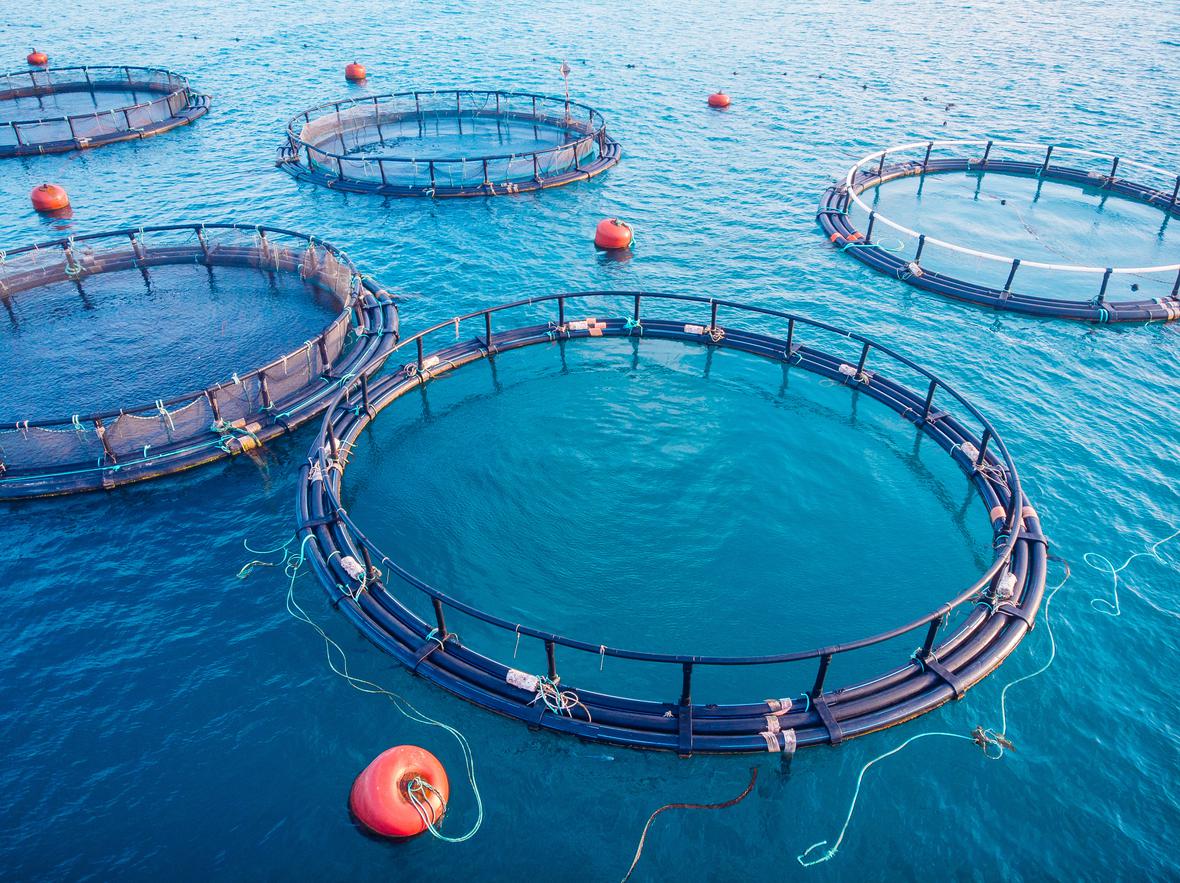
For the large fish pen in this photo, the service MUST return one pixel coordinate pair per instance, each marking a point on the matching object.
(44, 454)
(1005, 282)
(957, 644)
(460, 142)
(74, 108)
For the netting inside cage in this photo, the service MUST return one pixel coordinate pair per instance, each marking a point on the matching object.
(95, 437)
(1041, 229)
(68, 108)
(449, 141)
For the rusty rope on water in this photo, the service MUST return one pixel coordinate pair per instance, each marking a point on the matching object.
(652, 817)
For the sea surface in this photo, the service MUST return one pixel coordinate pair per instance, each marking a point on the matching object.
(161, 717)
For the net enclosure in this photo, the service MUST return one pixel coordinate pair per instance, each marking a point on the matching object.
(459, 142)
(44, 455)
(74, 108)
(957, 644)
(1005, 282)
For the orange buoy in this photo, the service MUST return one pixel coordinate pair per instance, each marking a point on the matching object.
(37, 58)
(396, 793)
(718, 99)
(613, 233)
(354, 72)
(50, 198)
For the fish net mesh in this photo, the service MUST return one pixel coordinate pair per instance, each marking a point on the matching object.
(378, 140)
(198, 417)
(170, 97)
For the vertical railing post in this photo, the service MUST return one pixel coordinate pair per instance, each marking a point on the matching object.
(881, 164)
(1114, 167)
(439, 619)
(686, 683)
(979, 458)
(790, 335)
(487, 329)
(432, 174)
(869, 231)
(635, 314)
(1105, 282)
(551, 657)
(713, 314)
(1175, 193)
(864, 354)
(929, 400)
(1048, 156)
(561, 311)
(931, 634)
(926, 158)
(365, 392)
(986, 153)
(921, 245)
(818, 688)
(1011, 275)
(419, 342)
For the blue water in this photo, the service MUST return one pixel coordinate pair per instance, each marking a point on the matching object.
(161, 717)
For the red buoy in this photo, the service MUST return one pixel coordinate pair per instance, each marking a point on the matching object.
(613, 233)
(37, 58)
(354, 72)
(718, 99)
(50, 198)
(383, 796)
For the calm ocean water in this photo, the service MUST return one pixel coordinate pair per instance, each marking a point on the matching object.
(160, 717)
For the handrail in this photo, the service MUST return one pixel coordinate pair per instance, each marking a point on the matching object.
(995, 442)
(177, 83)
(1049, 149)
(597, 123)
(197, 229)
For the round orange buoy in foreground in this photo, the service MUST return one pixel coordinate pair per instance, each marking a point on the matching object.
(613, 233)
(381, 795)
(718, 99)
(50, 198)
(354, 72)
(38, 58)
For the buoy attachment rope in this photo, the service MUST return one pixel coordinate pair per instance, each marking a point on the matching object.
(724, 805)
(994, 743)
(292, 565)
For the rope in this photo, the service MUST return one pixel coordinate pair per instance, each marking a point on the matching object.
(987, 739)
(1102, 564)
(724, 805)
(292, 566)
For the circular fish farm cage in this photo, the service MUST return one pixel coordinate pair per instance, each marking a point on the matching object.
(1004, 282)
(47, 455)
(956, 645)
(448, 143)
(75, 108)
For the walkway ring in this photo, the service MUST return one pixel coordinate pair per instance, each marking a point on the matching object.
(875, 169)
(319, 140)
(176, 104)
(991, 615)
(47, 456)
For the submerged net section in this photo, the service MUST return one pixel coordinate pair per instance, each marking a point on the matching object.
(1006, 282)
(448, 143)
(958, 644)
(73, 108)
(44, 455)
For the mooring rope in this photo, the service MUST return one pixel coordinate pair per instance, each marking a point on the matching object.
(292, 566)
(723, 805)
(986, 738)
(1102, 564)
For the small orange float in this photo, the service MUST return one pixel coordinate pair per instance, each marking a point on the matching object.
(355, 72)
(718, 99)
(37, 58)
(50, 198)
(402, 788)
(613, 233)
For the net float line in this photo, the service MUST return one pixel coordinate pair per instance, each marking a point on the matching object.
(174, 103)
(960, 642)
(42, 455)
(341, 144)
(1095, 304)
